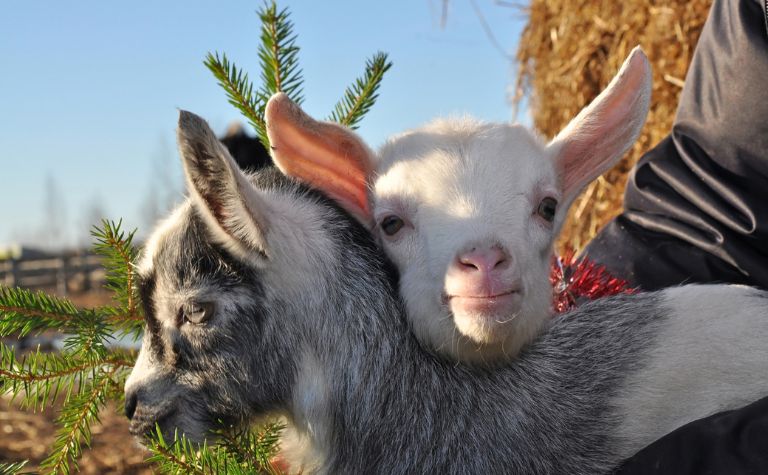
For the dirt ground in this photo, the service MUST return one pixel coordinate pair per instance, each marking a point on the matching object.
(25, 435)
(29, 436)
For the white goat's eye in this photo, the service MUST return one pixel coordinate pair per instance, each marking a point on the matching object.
(547, 208)
(197, 313)
(392, 224)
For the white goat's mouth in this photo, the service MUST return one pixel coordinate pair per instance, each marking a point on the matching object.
(492, 296)
(504, 302)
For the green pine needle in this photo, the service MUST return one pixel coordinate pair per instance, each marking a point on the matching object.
(360, 96)
(278, 54)
(75, 421)
(118, 258)
(12, 468)
(181, 457)
(24, 311)
(38, 378)
(240, 92)
(253, 448)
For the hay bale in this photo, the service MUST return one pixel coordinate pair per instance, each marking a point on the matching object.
(570, 50)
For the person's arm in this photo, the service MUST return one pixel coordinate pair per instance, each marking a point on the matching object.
(728, 443)
(696, 205)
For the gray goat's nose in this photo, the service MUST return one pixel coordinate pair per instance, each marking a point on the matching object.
(131, 400)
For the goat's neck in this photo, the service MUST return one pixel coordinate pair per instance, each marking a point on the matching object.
(384, 399)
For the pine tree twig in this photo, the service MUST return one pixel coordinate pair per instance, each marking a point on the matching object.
(183, 457)
(12, 468)
(23, 311)
(239, 91)
(27, 312)
(31, 376)
(360, 97)
(179, 462)
(254, 450)
(278, 54)
(119, 255)
(118, 318)
(41, 377)
(75, 421)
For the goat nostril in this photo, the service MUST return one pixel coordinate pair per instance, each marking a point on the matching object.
(500, 263)
(131, 401)
(468, 264)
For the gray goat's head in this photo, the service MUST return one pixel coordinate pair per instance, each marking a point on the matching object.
(234, 284)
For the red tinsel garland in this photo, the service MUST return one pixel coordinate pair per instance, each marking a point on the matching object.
(574, 281)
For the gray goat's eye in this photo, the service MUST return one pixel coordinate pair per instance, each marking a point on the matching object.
(547, 209)
(197, 312)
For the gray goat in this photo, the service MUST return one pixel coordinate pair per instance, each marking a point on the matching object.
(265, 296)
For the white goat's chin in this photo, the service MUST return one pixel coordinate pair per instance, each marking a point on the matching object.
(486, 319)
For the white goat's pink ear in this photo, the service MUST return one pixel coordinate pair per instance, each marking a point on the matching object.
(604, 130)
(324, 155)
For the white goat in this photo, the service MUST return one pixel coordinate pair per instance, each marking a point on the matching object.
(468, 211)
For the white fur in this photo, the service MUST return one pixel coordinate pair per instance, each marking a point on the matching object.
(459, 183)
(455, 182)
(725, 323)
(144, 370)
(303, 443)
(158, 237)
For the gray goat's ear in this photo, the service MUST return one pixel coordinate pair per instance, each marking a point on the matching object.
(232, 207)
(604, 130)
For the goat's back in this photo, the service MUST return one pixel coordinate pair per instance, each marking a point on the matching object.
(710, 354)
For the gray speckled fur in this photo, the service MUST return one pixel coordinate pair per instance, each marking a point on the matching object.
(394, 407)
(373, 399)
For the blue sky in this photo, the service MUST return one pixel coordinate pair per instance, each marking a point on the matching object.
(90, 90)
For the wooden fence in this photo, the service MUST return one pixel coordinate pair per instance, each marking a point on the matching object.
(63, 273)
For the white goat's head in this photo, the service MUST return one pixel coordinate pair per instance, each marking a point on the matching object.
(469, 211)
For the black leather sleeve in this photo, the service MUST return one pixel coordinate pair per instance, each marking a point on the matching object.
(696, 210)
(696, 205)
(729, 443)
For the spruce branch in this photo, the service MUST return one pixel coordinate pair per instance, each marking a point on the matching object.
(362, 94)
(23, 311)
(278, 57)
(12, 468)
(40, 377)
(278, 54)
(181, 456)
(75, 421)
(92, 332)
(240, 92)
(118, 257)
(253, 449)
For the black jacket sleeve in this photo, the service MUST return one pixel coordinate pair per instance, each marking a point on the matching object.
(696, 205)
(729, 443)
(696, 210)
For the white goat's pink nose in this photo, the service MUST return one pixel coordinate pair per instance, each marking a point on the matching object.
(484, 260)
(479, 274)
